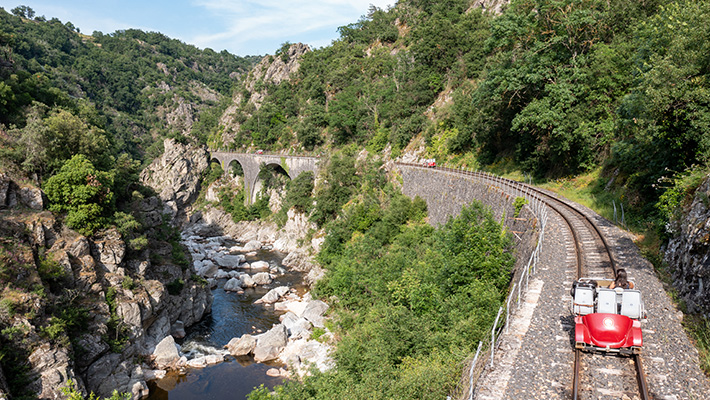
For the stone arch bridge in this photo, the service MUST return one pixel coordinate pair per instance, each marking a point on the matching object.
(251, 164)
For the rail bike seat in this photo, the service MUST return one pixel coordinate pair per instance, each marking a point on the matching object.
(631, 305)
(606, 301)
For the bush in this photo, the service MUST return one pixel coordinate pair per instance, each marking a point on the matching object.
(83, 192)
(175, 287)
(518, 204)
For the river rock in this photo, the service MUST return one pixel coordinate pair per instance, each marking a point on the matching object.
(298, 327)
(222, 274)
(208, 270)
(259, 265)
(262, 278)
(154, 374)
(302, 353)
(296, 307)
(273, 295)
(252, 245)
(247, 281)
(166, 353)
(203, 361)
(241, 346)
(228, 260)
(233, 285)
(270, 344)
(314, 312)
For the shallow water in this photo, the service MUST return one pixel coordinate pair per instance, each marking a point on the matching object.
(232, 316)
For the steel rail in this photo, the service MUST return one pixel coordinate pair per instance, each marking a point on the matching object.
(549, 200)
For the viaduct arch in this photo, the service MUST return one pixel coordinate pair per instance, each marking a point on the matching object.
(251, 163)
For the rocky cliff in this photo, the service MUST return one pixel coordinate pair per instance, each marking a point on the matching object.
(87, 308)
(176, 175)
(688, 252)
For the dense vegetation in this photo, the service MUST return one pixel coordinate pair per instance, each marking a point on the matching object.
(411, 302)
(115, 89)
(552, 87)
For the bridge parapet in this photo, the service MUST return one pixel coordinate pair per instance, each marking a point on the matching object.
(251, 163)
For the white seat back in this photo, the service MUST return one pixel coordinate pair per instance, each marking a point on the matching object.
(631, 303)
(583, 301)
(606, 301)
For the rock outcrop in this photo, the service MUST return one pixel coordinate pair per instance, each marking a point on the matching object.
(130, 304)
(14, 195)
(176, 175)
(688, 252)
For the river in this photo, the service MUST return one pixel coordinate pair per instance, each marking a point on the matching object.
(232, 316)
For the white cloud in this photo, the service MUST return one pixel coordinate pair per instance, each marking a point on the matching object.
(243, 22)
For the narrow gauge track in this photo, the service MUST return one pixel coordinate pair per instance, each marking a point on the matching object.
(594, 258)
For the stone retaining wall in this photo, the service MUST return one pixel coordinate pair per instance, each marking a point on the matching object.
(447, 192)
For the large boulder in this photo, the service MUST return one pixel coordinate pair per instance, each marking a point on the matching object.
(301, 354)
(176, 174)
(252, 245)
(297, 327)
(233, 285)
(166, 353)
(241, 346)
(247, 281)
(314, 312)
(259, 265)
(273, 295)
(262, 278)
(228, 260)
(208, 270)
(270, 344)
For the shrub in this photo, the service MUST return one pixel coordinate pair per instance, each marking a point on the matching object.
(83, 192)
(518, 204)
(175, 287)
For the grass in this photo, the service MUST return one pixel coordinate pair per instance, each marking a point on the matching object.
(699, 329)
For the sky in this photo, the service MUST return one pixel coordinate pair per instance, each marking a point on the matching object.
(242, 27)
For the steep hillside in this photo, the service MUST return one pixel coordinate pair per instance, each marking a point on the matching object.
(131, 87)
(554, 87)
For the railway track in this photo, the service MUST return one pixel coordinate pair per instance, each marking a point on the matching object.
(594, 258)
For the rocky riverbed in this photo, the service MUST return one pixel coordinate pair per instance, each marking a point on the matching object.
(261, 313)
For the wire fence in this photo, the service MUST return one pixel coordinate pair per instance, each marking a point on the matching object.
(485, 354)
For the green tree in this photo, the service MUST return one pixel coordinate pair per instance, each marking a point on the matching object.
(83, 192)
(69, 135)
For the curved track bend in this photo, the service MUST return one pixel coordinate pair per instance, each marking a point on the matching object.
(594, 258)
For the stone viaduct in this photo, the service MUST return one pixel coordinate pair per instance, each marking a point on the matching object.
(251, 164)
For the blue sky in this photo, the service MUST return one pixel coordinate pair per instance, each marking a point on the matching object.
(242, 27)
